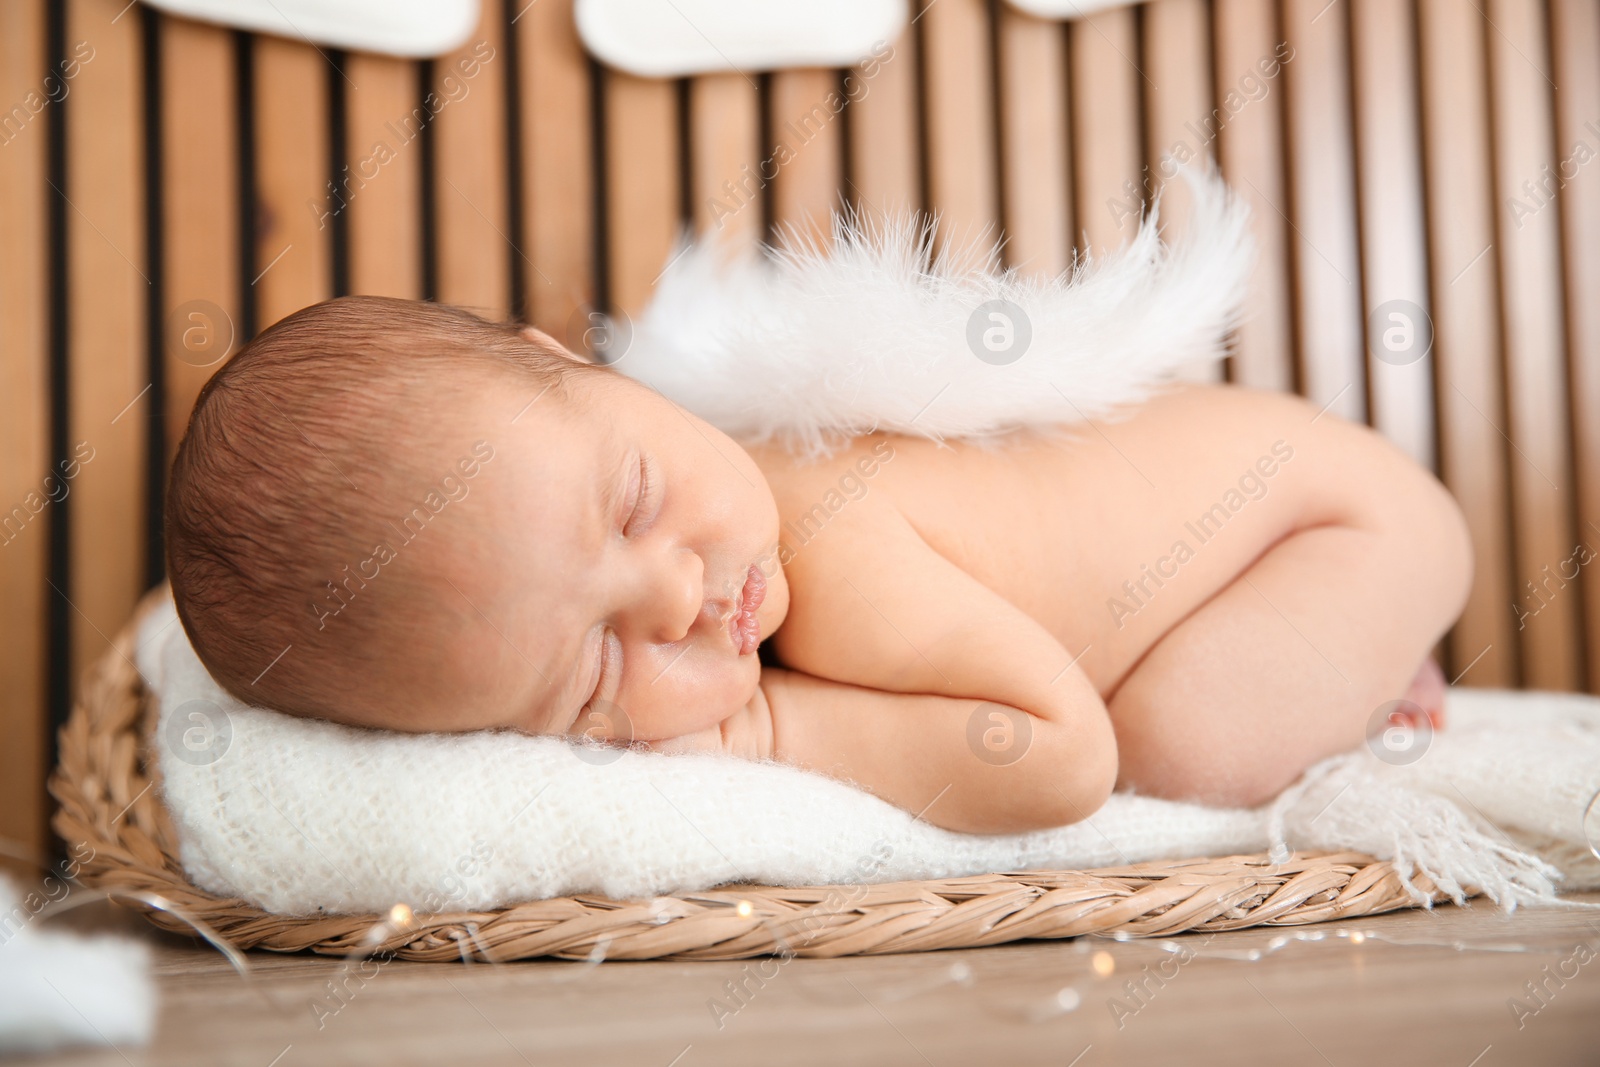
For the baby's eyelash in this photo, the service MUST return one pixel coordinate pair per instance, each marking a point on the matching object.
(608, 667)
(645, 483)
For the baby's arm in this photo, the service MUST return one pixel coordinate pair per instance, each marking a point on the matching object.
(896, 651)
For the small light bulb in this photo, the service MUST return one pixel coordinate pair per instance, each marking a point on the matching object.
(745, 909)
(1357, 937)
(401, 916)
(1103, 964)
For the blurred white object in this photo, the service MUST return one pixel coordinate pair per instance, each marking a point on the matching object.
(1064, 9)
(59, 989)
(395, 27)
(672, 38)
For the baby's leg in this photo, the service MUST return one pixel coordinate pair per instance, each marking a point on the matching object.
(1289, 661)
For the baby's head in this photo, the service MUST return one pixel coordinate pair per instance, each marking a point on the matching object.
(396, 514)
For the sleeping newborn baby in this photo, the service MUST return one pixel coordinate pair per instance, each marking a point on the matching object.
(397, 515)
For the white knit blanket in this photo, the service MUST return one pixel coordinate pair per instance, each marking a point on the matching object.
(298, 816)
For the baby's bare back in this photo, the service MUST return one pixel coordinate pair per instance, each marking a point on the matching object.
(1238, 580)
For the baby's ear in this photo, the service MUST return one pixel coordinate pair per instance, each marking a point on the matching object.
(539, 337)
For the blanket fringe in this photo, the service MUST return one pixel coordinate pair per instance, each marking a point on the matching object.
(1345, 799)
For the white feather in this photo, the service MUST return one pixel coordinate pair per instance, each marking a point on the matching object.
(804, 344)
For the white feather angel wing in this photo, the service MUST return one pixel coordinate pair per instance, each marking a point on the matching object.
(805, 345)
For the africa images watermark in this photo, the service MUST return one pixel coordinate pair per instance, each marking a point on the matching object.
(1252, 485)
(56, 487)
(365, 170)
(52, 90)
(753, 977)
(451, 489)
(1539, 193)
(738, 193)
(1252, 87)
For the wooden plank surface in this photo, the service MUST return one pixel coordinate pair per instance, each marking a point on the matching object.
(727, 164)
(1575, 40)
(641, 131)
(1250, 56)
(885, 143)
(1176, 38)
(471, 194)
(1106, 150)
(1394, 255)
(1466, 319)
(558, 176)
(1417, 987)
(958, 97)
(808, 148)
(1035, 164)
(108, 288)
(201, 323)
(1327, 267)
(293, 246)
(25, 496)
(383, 122)
(1529, 249)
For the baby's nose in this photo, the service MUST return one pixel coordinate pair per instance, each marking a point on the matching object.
(676, 600)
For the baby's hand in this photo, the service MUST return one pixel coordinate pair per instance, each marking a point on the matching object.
(747, 733)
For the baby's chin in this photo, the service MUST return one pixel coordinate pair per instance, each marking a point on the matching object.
(693, 710)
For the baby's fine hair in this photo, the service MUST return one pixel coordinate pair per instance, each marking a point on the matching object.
(296, 453)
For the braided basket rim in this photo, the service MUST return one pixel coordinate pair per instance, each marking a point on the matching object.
(108, 793)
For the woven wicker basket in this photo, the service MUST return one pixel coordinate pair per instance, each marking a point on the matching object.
(110, 802)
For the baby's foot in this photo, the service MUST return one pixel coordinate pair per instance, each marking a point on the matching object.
(1427, 692)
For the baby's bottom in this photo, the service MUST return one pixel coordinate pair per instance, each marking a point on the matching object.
(1363, 563)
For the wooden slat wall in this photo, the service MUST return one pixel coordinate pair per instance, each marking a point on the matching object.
(202, 321)
(1106, 151)
(726, 158)
(1383, 146)
(1250, 51)
(293, 258)
(1325, 254)
(1575, 36)
(1177, 105)
(471, 195)
(958, 95)
(557, 162)
(1035, 143)
(380, 195)
(885, 144)
(1394, 253)
(1465, 281)
(641, 119)
(807, 146)
(107, 289)
(24, 426)
(1529, 248)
